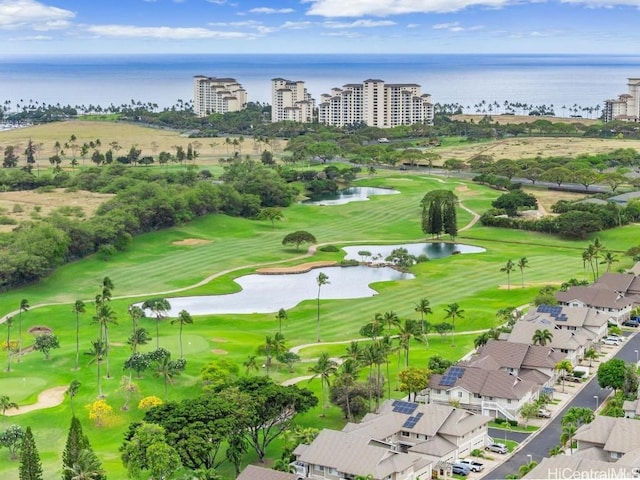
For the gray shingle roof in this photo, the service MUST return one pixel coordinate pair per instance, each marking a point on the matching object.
(597, 296)
(488, 383)
(614, 434)
(253, 472)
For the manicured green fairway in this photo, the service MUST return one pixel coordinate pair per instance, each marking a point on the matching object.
(236, 246)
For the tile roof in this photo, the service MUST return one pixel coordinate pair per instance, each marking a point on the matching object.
(619, 282)
(253, 472)
(524, 329)
(488, 383)
(614, 434)
(599, 296)
(517, 355)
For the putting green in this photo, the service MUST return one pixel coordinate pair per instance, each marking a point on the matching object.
(21, 388)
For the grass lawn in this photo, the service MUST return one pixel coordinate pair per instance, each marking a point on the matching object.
(156, 265)
(519, 428)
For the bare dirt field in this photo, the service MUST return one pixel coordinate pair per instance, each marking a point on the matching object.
(531, 147)
(508, 119)
(31, 205)
(150, 140)
(546, 198)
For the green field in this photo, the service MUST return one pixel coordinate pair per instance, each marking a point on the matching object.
(155, 265)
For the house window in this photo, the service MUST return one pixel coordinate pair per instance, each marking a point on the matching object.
(490, 399)
(459, 394)
(616, 455)
(476, 395)
(508, 400)
(406, 434)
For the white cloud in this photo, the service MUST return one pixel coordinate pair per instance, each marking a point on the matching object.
(32, 14)
(269, 11)
(167, 33)
(296, 25)
(456, 27)
(31, 38)
(341, 34)
(360, 24)
(604, 3)
(443, 26)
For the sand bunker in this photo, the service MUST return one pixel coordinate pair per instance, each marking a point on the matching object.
(217, 351)
(47, 399)
(191, 242)
(219, 340)
(302, 268)
(39, 330)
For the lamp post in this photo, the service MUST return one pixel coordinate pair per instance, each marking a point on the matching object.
(597, 401)
(530, 457)
(637, 359)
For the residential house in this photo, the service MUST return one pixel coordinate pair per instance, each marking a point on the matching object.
(610, 295)
(338, 455)
(573, 343)
(253, 472)
(608, 438)
(493, 392)
(590, 321)
(535, 363)
(442, 433)
(631, 408)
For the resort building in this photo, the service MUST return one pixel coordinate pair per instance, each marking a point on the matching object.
(291, 101)
(376, 104)
(627, 106)
(217, 95)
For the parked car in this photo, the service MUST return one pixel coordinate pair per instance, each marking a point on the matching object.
(544, 413)
(571, 378)
(615, 336)
(611, 341)
(461, 469)
(473, 465)
(633, 322)
(497, 448)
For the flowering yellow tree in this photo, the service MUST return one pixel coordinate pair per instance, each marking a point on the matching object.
(100, 412)
(149, 402)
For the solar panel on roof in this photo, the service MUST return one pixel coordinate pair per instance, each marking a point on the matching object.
(404, 407)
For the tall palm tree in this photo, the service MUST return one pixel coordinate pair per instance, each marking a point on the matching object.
(384, 348)
(541, 337)
(24, 306)
(160, 308)
(267, 349)
(508, 268)
(324, 368)
(568, 431)
(278, 346)
(608, 260)
(354, 351)
(598, 248)
(347, 375)
(251, 363)
(72, 391)
(405, 335)
(136, 313)
(78, 308)
(103, 317)
(564, 367)
(588, 256)
(391, 319)
(6, 404)
(168, 369)
(453, 311)
(423, 306)
(321, 280)
(522, 264)
(97, 354)
(280, 316)
(184, 318)
(106, 290)
(591, 355)
(9, 323)
(557, 450)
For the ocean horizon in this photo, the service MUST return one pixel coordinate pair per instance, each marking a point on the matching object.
(467, 79)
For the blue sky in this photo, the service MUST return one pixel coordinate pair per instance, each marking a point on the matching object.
(319, 26)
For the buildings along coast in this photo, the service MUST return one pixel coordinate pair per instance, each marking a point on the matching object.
(627, 106)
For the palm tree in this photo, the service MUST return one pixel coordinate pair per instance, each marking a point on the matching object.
(404, 337)
(591, 355)
(87, 467)
(184, 318)
(267, 349)
(6, 404)
(568, 431)
(160, 308)
(347, 375)
(424, 308)
(588, 256)
(324, 368)
(24, 306)
(598, 248)
(97, 354)
(280, 316)
(564, 367)
(508, 268)
(136, 313)
(106, 288)
(321, 280)
(354, 351)
(78, 308)
(386, 347)
(391, 319)
(283, 465)
(168, 369)
(251, 363)
(453, 311)
(609, 259)
(557, 450)
(542, 337)
(104, 316)
(278, 346)
(72, 391)
(522, 264)
(9, 322)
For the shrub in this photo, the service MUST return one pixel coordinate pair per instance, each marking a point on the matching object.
(4, 220)
(329, 248)
(500, 421)
(476, 452)
(349, 263)
(513, 423)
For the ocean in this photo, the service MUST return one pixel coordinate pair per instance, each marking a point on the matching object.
(585, 80)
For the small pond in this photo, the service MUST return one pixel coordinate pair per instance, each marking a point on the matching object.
(351, 194)
(270, 293)
(433, 250)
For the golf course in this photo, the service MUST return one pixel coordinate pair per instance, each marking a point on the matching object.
(206, 255)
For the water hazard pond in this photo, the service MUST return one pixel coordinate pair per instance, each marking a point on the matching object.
(351, 194)
(270, 293)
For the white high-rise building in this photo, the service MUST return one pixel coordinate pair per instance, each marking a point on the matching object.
(627, 106)
(377, 104)
(217, 95)
(291, 101)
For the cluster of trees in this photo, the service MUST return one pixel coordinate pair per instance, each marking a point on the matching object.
(515, 108)
(439, 213)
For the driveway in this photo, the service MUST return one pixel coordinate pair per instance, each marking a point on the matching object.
(540, 443)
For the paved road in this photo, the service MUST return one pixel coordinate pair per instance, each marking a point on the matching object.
(498, 435)
(539, 446)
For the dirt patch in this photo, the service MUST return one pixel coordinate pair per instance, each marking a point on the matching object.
(39, 330)
(117, 344)
(462, 188)
(31, 205)
(47, 399)
(219, 340)
(217, 351)
(547, 198)
(191, 242)
(302, 268)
